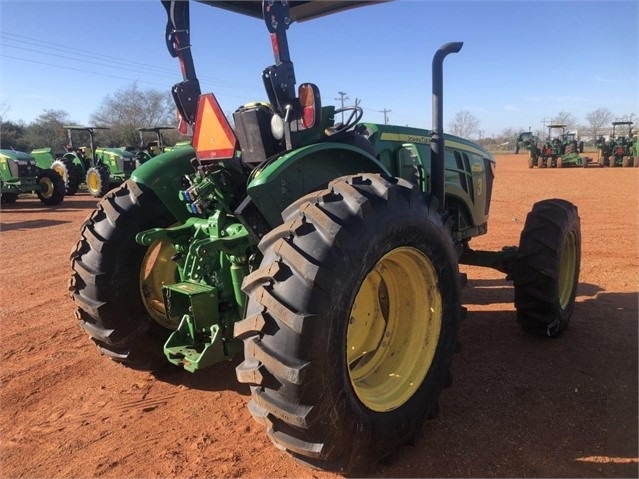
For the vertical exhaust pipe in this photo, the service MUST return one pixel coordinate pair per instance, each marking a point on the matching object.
(437, 138)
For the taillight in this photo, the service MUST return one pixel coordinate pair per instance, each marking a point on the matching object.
(307, 102)
(310, 104)
(308, 116)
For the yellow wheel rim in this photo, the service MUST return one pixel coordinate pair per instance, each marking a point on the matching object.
(567, 267)
(60, 171)
(93, 181)
(157, 270)
(394, 329)
(47, 187)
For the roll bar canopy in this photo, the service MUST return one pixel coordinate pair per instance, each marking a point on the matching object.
(299, 10)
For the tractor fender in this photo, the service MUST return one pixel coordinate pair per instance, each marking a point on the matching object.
(163, 175)
(82, 165)
(44, 157)
(284, 178)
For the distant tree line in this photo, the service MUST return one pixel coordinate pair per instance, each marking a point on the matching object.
(598, 122)
(121, 112)
(131, 108)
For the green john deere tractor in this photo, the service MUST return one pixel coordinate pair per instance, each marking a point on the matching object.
(20, 173)
(620, 150)
(101, 168)
(326, 253)
(151, 149)
(571, 150)
(561, 149)
(61, 164)
(528, 141)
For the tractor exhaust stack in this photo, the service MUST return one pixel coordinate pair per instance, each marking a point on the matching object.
(437, 139)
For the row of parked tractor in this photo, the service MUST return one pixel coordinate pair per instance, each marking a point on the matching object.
(562, 148)
(52, 176)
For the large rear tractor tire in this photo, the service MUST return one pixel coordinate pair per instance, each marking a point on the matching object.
(546, 271)
(351, 322)
(117, 284)
(69, 173)
(97, 181)
(50, 188)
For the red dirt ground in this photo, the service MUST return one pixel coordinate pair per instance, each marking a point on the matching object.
(518, 406)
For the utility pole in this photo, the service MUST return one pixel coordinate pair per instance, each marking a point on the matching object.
(384, 111)
(544, 121)
(342, 97)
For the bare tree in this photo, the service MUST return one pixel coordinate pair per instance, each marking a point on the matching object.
(508, 134)
(599, 121)
(626, 130)
(465, 124)
(4, 109)
(565, 118)
(132, 108)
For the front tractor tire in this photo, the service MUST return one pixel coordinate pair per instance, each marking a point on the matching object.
(351, 322)
(97, 180)
(546, 270)
(117, 284)
(50, 188)
(70, 173)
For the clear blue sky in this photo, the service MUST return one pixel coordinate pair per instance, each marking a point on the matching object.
(522, 61)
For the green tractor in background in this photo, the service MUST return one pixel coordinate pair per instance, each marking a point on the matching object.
(562, 149)
(151, 149)
(20, 173)
(528, 141)
(101, 168)
(619, 150)
(572, 148)
(325, 253)
(61, 164)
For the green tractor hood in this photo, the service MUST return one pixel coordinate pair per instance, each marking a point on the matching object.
(16, 155)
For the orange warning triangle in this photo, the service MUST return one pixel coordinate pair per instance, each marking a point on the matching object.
(213, 138)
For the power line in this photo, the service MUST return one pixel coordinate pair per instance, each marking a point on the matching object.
(101, 64)
(342, 98)
(106, 61)
(101, 74)
(385, 111)
(64, 67)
